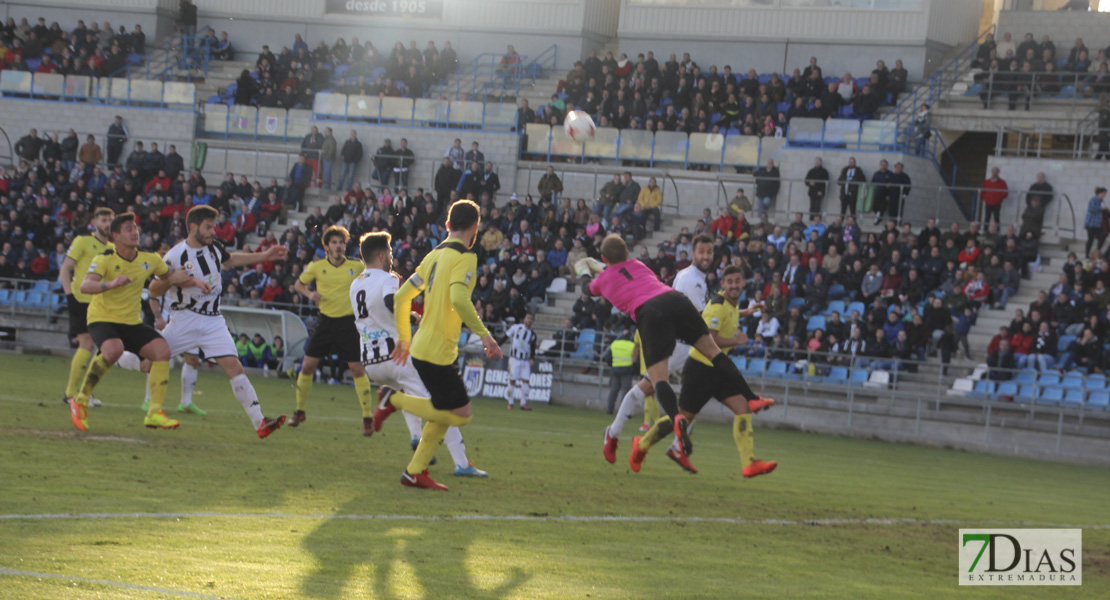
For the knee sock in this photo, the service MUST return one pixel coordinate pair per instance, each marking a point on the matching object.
(430, 440)
(651, 409)
(742, 434)
(628, 405)
(454, 442)
(725, 364)
(159, 381)
(666, 398)
(525, 390)
(414, 424)
(77, 368)
(365, 396)
(304, 385)
(659, 430)
(245, 394)
(510, 394)
(98, 367)
(422, 407)
(188, 382)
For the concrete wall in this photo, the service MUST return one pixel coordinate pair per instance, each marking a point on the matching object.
(1076, 178)
(145, 124)
(1062, 26)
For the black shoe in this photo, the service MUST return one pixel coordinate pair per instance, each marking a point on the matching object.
(297, 418)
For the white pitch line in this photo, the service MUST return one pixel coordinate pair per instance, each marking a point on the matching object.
(118, 584)
(541, 518)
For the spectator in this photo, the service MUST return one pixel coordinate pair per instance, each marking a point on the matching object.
(817, 182)
(90, 154)
(456, 155)
(187, 16)
(327, 156)
(550, 186)
(117, 137)
(29, 147)
(1002, 363)
(622, 356)
(650, 201)
(274, 355)
(405, 160)
(383, 163)
(447, 180)
(1097, 213)
(850, 180)
(767, 183)
(299, 176)
(993, 192)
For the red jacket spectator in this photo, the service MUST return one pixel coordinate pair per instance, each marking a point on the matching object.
(47, 67)
(1021, 343)
(268, 266)
(977, 290)
(996, 341)
(969, 256)
(724, 226)
(225, 232)
(783, 288)
(170, 209)
(245, 222)
(272, 292)
(165, 181)
(994, 191)
(40, 266)
(269, 211)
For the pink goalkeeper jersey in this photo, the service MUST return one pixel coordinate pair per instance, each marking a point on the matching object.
(628, 285)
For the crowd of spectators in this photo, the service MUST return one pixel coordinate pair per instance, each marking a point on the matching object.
(1021, 70)
(93, 50)
(679, 95)
(292, 77)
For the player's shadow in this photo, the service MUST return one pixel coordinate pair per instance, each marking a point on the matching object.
(391, 557)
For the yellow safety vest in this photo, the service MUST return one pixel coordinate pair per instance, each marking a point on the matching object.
(622, 353)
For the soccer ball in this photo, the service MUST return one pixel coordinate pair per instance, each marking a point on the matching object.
(579, 126)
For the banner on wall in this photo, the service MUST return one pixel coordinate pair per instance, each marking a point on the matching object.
(490, 378)
(415, 9)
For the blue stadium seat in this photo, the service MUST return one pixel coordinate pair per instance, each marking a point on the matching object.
(741, 362)
(1072, 381)
(5, 297)
(777, 369)
(974, 89)
(41, 285)
(57, 301)
(20, 298)
(584, 349)
(134, 59)
(1007, 388)
(1066, 92)
(33, 64)
(1064, 342)
(1051, 395)
(1027, 393)
(796, 303)
(340, 71)
(1026, 376)
(1096, 382)
(983, 389)
(214, 99)
(1099, 400)
(860, 376)
(854, 306)
(1074, 397)
(837, 375)
(835, 306)
(815, 322)
(757, 365)
(837, 291)
(1048, 379)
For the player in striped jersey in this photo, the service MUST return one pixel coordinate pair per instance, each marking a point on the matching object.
(522, 354)
(196, 324)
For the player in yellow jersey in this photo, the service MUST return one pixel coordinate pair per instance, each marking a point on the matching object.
(70, 275)
(701, 381)
(335, 332)
(115, 281)
(447, 277)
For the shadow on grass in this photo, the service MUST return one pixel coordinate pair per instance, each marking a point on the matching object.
(394, 559)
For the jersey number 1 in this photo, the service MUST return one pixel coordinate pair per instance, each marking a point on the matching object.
(626, 274)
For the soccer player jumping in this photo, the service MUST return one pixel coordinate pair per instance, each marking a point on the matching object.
(663, 315)
(115, 282)
(447, 277)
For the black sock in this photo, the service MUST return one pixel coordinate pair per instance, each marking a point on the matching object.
(725, 364)
(665, 396)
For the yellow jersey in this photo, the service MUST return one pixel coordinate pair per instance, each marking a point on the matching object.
(721, 316)
(334, 285)
(451, 264)
(82, 250)
(122, 305)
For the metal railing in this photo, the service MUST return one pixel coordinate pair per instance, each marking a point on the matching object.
(176, 57)
(1037, 89)
(485, 73)
(1034, 143)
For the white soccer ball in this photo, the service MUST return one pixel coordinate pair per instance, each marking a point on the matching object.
(579, 126)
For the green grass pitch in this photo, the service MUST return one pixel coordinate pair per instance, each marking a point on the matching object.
(318, 511)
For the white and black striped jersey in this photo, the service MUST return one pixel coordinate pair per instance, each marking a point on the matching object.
(203, 263)
(372, 300)
(522, 342)
(691, 282)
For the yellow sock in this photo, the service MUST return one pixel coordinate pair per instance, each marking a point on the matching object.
(77, 368)
(742, 434)
(304, 384)
(430, 440)
(651, 410)
(422, 407)
(365, 396)
(662, 427)
(98, 367)
(159, 381)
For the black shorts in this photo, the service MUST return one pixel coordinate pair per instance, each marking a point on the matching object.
(662, 320)
(335, 335)
(78, 316)
(701, 383)
(134, 337)
(444, 384)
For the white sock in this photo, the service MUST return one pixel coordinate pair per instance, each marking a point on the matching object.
(414, 423)
(244, 393)
(129, 361)
(525, 390)
(510, 394)
(188, 382)
(454, 442)
(632, 401)
(147, 398)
